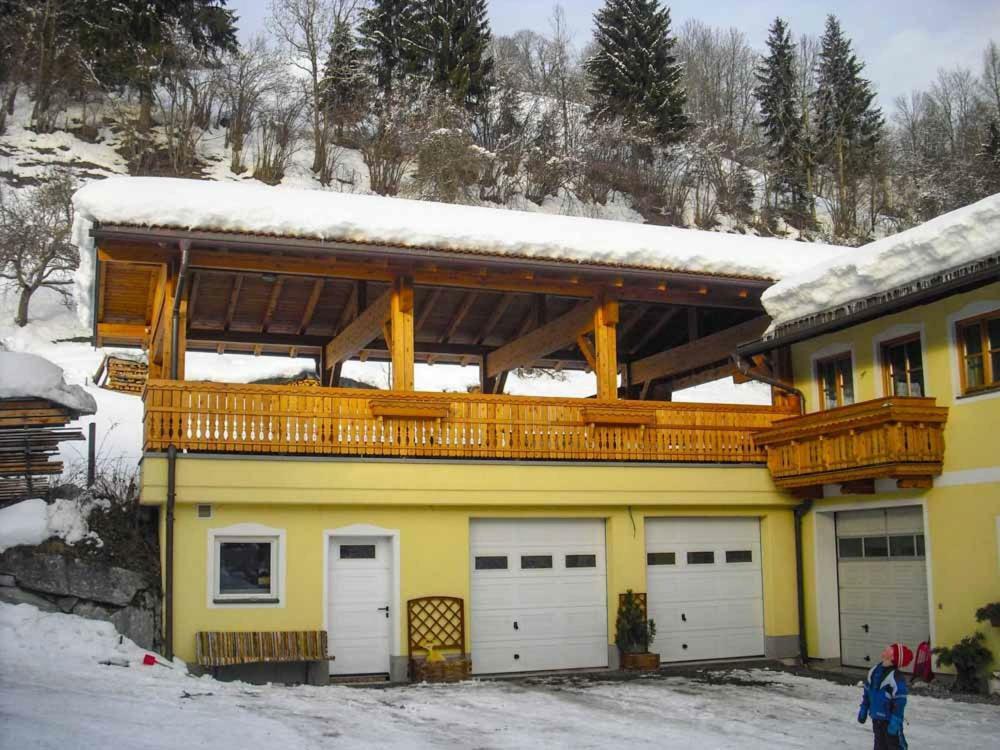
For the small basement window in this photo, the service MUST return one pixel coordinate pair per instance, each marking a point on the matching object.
(246, 570)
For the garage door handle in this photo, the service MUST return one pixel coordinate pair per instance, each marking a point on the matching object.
(384, 609)
(515, 625)
(684, 617)
(867, 658)
(864, 628)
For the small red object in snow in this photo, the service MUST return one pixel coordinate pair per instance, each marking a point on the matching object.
(149, 660)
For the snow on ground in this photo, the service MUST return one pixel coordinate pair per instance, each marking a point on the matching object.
(54, 693)
(962, 236)
(32, 521)
(326, 215)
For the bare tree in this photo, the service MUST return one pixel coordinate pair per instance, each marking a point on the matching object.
(304, 29)
(248, 76)
(35, 247)
(991, 76)
(277, 134)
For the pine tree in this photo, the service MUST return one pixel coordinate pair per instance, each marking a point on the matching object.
(457, 38)
(390, 37)
(848, 124)
(634, 74)
(780, 119)
(342, 89)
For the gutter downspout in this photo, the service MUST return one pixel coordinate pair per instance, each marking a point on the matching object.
(168, 577)
(799, 511)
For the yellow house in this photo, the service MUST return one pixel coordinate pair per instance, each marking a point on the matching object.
(896, 354)
(334, 510)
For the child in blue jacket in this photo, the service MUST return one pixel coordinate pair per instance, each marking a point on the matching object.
(884, 698)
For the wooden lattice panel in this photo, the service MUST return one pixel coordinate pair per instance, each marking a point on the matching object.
(437, 621)
(640, 599)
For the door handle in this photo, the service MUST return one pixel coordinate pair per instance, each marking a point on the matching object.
(386, 610)
(864, 628)
(684, 617)
(515, 625)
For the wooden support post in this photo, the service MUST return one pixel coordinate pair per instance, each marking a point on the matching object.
(91, 453)
(605, 342)
(335, 375)
(401, 328)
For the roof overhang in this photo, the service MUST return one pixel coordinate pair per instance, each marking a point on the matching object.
(924, 291)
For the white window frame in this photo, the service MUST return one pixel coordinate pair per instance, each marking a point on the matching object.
(246, 533)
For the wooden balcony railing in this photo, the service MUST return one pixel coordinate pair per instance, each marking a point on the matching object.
(899, 438)
(227, 418)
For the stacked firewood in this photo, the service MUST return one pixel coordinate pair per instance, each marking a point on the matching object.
(122, 374)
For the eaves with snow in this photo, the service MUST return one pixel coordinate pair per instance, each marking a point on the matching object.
(256, 209)
(28, 376)
(956, 249)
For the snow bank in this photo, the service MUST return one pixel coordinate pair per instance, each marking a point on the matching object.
(326, 215)
(951, 240)
(31, 522)
(25, 375)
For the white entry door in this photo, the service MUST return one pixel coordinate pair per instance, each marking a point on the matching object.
(882, 576)
(539, 595)
(703, 587)
(358, 604)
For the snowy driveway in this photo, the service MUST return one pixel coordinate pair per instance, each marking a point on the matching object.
(55, 694)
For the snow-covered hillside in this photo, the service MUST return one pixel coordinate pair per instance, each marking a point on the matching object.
(64, 684)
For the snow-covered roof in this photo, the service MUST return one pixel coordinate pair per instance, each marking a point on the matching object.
(257, 209)
(898, 264)
(25, 375)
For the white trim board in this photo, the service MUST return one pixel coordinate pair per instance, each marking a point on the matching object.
(367, 530)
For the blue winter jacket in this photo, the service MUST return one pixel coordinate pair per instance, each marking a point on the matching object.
(885, 693)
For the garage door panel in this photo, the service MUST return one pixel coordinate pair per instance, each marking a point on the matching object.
(709, 610)
(888, 595)
(561, 613)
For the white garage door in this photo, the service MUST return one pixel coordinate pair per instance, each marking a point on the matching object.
(883, 582)
(704, 588)
(539, 595)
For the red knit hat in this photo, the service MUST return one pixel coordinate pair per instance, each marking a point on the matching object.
(901, 655)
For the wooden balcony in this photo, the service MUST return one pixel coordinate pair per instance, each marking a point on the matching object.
(301, 420)
(897, 438)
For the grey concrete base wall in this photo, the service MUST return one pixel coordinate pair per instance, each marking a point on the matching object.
(781, 646)
(614, 658)
(288, 673)
(399, 668)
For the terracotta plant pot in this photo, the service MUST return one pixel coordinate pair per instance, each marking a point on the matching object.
(641, 662)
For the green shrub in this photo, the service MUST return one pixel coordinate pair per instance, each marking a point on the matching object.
(633, 632)
(970, 658)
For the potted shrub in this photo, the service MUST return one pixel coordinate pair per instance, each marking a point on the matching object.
(970, 658)
(990, 612)
(634, 634)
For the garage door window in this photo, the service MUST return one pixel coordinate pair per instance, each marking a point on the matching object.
(491, 562)
(581, 561)
(536, 562)
(661, 558)
(701, 558)
(739, 556)
(896, 546)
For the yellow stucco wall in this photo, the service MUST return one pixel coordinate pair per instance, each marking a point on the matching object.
(431, 505)
(963, 507)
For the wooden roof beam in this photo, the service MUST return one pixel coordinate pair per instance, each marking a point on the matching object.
(654, 330)
(427, 308)
(543, 340)
(360, 332)
(272, 303)
(468, 300)
(495, 316)
(310, 310)
(234, 297)
(698, 353)
(350, 310)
